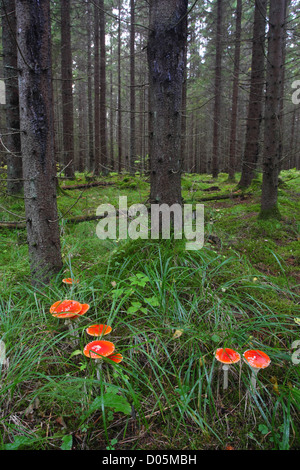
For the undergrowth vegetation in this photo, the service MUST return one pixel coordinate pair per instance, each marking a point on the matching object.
(169, 309)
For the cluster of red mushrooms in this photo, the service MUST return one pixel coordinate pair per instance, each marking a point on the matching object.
(70, 310)
(256, 360)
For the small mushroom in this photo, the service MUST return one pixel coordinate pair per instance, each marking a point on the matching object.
(116, 357)
(71, 320)
(65, 308)
(97, 350)
(226, 357)
(256, 360)
(68, 309)
(98, 330)
(70, 281)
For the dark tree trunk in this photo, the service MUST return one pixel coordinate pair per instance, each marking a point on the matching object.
(36, 117)
(166, 50)
(272, 139)
(67, 93)
(103, 128)
(119, 94)
(218, 78)
(132, 156)
(183, 116)
(235, 92)
(255, 108)
(111, 114)
(91, 156)
(13, 140)
(96, 88)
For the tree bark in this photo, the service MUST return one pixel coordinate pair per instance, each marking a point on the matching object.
(103, 129)
(36, 118)
(218, 79)
(235, 91)
(13, 139)
(255, 108)
(67, 92)
(166, 49)
(119, 94)
(91, 156)
(272, 140)
(132, 156)
(96, 88)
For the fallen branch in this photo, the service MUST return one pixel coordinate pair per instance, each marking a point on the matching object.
(88, 185)
(223, 197)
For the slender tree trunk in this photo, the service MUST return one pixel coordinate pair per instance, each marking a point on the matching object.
(96, 88)
(272, 140)
(36, 117)
(81, 126)
(235, 91)
(282, 159)
(183, 116)
(13, 140)
(119, 93)
(166, 49)
(103, 127)
(67, 92)
(132, 156)
(217, 107)
(255, 108)
(111, 114)
(91, 156)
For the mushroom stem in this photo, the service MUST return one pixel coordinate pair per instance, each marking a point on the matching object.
(99, 368)
(73, 332)
(225, 370)
(254, 378)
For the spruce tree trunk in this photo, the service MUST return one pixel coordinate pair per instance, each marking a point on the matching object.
(166, 51)
(36, 118)
(132, 156)
(119, 94)
(235, 92)
(96, 89)
(67, 92)
(217, 107)
(90, 164)
(273, 135)
(255, 108)
(103, 128)
(13, 139)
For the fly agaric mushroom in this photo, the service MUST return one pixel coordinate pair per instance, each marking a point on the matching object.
(69, 309)
(116, 357)
(70, 322)
(97, 350)
(70, 281)
(226, 357)
(256, 360)
(65, 308)
(98, 330)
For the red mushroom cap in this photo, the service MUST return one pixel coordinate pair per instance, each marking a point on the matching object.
(227, 356)
(96, 349)
(98, 330)
(69, 280)
(84, 309)
(257, 359)
(117, 358)
(65, 308)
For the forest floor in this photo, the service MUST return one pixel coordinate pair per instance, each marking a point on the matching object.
(169, 309)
